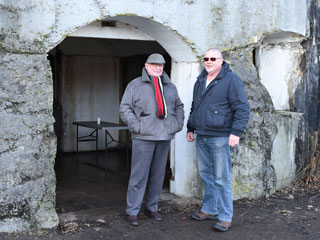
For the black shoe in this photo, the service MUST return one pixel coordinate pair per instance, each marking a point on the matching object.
(156, 215)
(222, 226)
(203, 216)
(133, 220)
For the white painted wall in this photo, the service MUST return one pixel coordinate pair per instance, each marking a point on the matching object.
(174, 44)
(284, 147)
(278, 62)
(121, 31)
(183, 154)
(202, 24)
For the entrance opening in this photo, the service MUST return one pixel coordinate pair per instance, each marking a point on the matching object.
(90, 76)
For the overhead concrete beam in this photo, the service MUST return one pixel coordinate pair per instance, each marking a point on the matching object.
(118, 32)
(174, 44)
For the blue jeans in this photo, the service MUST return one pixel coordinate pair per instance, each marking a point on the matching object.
(214, 163)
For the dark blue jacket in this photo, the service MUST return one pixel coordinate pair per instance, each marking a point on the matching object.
(221, 108)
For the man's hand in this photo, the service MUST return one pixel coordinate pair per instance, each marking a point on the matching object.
(233, 140)
(190, 136)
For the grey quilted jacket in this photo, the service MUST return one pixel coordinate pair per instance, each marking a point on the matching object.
(138, 109)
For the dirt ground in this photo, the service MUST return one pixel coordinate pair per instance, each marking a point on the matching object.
(289, 214)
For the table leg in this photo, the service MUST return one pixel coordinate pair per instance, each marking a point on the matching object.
(97, 142)
(106, 149)
(128, 141)
(77, 157)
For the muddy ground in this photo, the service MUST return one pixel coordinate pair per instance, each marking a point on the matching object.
(289, 214)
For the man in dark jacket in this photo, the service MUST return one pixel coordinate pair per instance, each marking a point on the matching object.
(219, 114)
(152, 109)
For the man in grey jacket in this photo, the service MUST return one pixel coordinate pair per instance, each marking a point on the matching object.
(154, 113)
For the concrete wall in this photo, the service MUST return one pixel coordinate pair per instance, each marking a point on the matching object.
(278, 60)
(185, 29)
(27, 143)
(283, 156)
(185, 180)
(201, 24)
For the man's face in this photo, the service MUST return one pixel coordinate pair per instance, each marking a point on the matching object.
(210, 65)
(154, 69)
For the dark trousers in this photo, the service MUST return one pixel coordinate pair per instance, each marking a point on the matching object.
(148, 165)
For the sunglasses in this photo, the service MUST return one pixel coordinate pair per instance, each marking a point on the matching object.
(211, 59)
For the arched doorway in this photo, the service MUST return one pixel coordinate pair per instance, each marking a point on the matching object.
(116, 48)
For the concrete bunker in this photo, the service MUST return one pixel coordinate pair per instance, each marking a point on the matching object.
(28, 183)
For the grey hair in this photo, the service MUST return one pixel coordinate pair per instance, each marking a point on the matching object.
(214, 50)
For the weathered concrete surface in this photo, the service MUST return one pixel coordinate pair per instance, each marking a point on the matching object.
(26, 84)
(280, 60)
(29, 29)
(203, 24)
(283, 156)
(27, 149)
(309, 91)
(252, 172)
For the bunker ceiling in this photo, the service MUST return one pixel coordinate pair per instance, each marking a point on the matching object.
(107, 47)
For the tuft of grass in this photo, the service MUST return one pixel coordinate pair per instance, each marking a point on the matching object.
(310, 172)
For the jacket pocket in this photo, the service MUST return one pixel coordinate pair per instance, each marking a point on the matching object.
(171, 123)
(147, 125)
(135, 128)
(215, 118)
